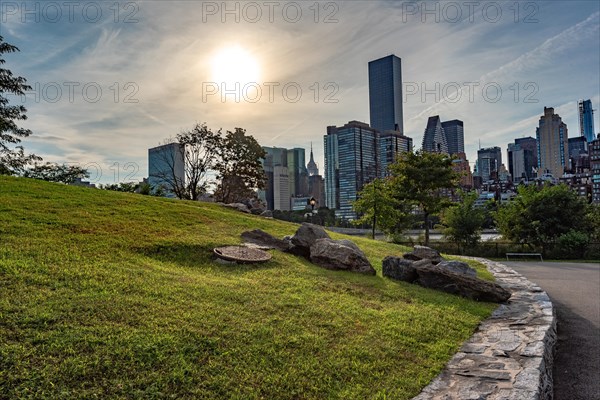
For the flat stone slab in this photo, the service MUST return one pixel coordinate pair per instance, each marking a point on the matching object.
(242, 254)
(510, 356)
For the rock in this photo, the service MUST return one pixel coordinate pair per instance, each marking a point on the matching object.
(423, 252)
(340, 255)
(459, 267)
(305, 237)
(434, 277)
(424, 262)
(238, 206)
(265, 240)
(399, 269)
(267, 214)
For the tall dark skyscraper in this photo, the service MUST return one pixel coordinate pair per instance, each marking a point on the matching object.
(489, 161)
(434, 139)
(385, 94)
(455, 136)
(350, 163)
(586, 120)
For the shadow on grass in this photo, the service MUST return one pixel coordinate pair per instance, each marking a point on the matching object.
(196, 256)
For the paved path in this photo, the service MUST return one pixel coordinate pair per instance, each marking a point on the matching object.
(574, 288)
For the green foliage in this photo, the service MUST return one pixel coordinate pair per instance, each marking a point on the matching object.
(378, 208)
(239, 167)
(53, 172)
(127, 187)
(421, 178)
(464, 221)
(539, 216)
(573, 244)
(13, 159)
(107, 295)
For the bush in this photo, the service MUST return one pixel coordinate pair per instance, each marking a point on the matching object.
(573, 244)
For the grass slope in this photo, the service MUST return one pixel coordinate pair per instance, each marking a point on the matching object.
(113, 295)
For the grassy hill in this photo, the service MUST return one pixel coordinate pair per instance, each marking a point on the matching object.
(114, 295)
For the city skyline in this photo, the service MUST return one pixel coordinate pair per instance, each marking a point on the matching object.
(555, 67)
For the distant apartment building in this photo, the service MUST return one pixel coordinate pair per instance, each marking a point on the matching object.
(522, 159)
(579, 160)
(434, 138)
(553, 145)
(455, 136)
(350, 163)
(586, 120)
(391, 145)
(460, 164)
(166, 167)
(385, 94)
(489, 161)
(594, 147)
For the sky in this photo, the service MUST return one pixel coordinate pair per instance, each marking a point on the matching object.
(111, 79)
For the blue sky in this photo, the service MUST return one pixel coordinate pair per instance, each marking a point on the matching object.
(492, 64)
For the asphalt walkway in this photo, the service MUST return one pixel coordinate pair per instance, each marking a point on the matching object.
(574, 288)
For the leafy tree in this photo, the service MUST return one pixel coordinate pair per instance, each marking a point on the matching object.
(199, 149)
(539, 216)
(424, 179)
(239, 168)
(53, 172)
(12, 156)
(377, 206)
(128, 187)
(464, 221)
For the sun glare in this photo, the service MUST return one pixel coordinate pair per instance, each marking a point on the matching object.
(234, 64)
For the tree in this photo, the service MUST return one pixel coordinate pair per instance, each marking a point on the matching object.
(421, 178)
(52, 172)
(377, 206)
(539, 216)
(12, 156)
(239, 169)
(127, 187)
(196, 153)
(464, 221)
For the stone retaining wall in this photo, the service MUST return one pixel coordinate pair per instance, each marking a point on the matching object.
(510, 356)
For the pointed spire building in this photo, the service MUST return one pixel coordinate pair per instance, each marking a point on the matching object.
(312, 165)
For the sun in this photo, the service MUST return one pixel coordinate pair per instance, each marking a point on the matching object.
(233, 65)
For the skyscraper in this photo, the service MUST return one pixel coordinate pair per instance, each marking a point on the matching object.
(434, 139)
(277, 191)
(166, 167)
(553, 144)
(455, 136)
(297, 169)
(392, 144)
(586, 120)
(489, 160)
(522, 158)
(385, 94)
(595, 167)
(311, 167)
(350, 163)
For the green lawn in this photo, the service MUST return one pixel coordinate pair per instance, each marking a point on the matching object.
(114, 295)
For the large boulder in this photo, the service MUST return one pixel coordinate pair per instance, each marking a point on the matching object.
(424, 252)
(340, 255)
(434, 277)
(305, 237)
(399, 269)
(459, 267)
(238, 206)
(265, 240)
